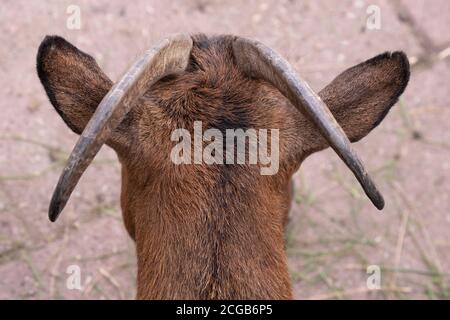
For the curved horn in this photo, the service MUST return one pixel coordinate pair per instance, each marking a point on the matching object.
(169, 57)
(257, 60)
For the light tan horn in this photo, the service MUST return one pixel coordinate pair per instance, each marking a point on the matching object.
(257, 60)
(169, 57)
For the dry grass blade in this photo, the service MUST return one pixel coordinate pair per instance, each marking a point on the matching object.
(358, 291)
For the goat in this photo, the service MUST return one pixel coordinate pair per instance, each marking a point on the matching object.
(210, 231)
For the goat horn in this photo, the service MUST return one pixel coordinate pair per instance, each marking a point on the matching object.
(169, 57)
(257, 60)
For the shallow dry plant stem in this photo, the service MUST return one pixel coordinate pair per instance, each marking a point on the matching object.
(34, 270)
(355, 291)
(30, 141)
(113, 281)
(400, 240)
(57, 263)
(401, 270)
(426, 247)
(425, 233)
(90, 284)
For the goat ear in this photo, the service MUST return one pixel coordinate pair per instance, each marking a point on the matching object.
(74, 82)
(361, 96)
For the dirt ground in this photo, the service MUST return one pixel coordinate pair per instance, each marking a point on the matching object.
(334, 233)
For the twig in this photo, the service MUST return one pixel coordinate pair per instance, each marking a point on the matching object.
(113, 281)
(401, 238)
(57, 263)
(402, 270)
(355, 291)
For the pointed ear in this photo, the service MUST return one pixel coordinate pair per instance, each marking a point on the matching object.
(361, 96)
(72, 79)
(75, 85)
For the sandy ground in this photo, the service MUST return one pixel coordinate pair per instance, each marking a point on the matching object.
(334, 233)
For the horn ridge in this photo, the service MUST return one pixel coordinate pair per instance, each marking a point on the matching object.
(258, 60)
(168, 57)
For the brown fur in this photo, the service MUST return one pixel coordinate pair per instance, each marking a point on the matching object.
(212, 231)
